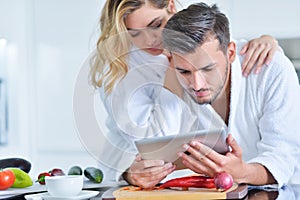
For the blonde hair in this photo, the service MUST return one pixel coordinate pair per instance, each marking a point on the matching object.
(113, 45)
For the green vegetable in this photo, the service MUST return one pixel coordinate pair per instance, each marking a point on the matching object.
(94, 174)
(75, 170)
(22, 180)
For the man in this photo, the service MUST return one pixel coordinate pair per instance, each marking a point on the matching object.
(260, 112)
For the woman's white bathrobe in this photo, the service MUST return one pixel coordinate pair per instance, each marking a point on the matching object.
(140, 107)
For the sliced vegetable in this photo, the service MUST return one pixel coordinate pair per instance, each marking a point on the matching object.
(94, 174)
(223, 181)
(75, 170)
(20, 163)
(7, 179)
(22, 180)
(190, 181)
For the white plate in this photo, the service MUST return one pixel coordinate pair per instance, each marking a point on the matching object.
(84, 194)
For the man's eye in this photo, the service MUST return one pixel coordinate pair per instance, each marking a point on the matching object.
(207, 69)
(181, 71)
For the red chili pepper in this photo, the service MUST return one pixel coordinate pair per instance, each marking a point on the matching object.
(41, 177)
(190, 181)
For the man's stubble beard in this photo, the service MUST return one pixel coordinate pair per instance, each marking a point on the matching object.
(218, 90)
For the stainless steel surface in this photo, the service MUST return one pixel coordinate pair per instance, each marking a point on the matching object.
(291, 48)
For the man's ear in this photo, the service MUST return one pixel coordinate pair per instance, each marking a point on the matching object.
(171, 7)
(231, 52)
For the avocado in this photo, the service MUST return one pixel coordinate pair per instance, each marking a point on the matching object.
(94, 174)
(75, 170)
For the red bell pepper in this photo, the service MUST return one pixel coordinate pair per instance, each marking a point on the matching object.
(190, 181)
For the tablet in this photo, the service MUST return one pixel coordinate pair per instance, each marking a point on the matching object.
(166, 147)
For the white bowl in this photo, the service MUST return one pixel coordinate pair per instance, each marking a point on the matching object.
(64, 186)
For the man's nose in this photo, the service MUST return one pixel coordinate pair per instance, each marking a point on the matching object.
(198, 81)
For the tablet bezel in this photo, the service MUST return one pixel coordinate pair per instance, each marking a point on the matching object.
(166, 147)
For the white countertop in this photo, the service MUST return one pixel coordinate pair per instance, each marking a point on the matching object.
(36, 187)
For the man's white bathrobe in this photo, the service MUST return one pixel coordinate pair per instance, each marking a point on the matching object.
(264, 115)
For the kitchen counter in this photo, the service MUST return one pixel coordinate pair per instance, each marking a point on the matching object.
(289, 192)
(19, 193)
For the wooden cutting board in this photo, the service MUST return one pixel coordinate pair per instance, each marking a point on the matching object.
(135, 193)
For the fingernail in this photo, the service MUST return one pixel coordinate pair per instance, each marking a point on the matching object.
(179, 154)
(185, 146)
(245, 74)
(161, 162)
(230, 138)
(193, 143)
(168, 165)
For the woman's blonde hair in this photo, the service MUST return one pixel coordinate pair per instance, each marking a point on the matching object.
(113, 45)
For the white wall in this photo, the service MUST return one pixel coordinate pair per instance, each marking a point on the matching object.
(14, 65)
(275, 17)
(47, 43)
(64, 34)
(250, 19)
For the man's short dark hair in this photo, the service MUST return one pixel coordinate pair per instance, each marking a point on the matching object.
(189, 28)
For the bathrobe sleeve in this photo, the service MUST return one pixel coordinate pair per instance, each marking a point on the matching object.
(278, 94)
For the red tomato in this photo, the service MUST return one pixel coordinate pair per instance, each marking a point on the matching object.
(7, 179)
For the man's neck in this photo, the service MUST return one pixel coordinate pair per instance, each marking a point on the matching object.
(222, 104)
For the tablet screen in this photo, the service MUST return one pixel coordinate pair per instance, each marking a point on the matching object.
(166, 147)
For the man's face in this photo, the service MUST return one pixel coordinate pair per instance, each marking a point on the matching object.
(203, 73)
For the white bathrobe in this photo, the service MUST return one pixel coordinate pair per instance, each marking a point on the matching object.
(140, 107)
(264, 114)
(264, 117)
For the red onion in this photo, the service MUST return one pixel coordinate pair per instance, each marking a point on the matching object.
(223, 181)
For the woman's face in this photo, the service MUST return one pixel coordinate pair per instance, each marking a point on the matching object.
(145, 26)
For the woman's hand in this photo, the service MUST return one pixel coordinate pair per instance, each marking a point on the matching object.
(147, 173)
(260, 51)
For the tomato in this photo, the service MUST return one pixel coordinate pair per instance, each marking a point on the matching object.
(7, 179)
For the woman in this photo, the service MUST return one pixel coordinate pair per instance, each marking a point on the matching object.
(130, 66)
